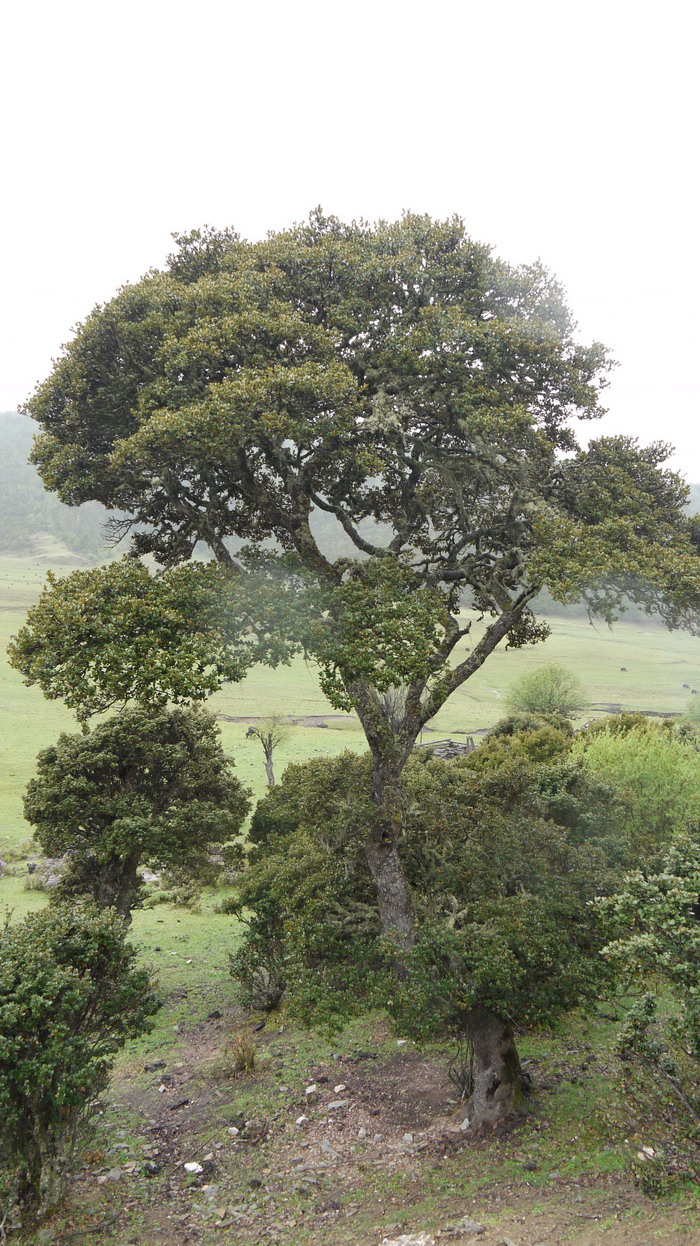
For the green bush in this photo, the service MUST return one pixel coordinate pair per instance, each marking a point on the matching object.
(657, 776)
(70, 997)
(550, 689)
(500, 893)
(654, 924)
(146, 787)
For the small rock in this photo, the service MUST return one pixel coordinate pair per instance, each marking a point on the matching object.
(114, 1174)
(233, 1132)
(155, 1064)
(379, 1137)
(338, 1090)
(215, 1015)
(337, 1104)
(465, 1124)
(210, 1191)
(193, 1167)
(407, 1138)
(401, 1042)
(410, 1239)
(362, 1132)
(467, 1225)
(301, 1121)
(181, 1103)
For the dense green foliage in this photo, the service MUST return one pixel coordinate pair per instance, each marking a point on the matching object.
(654, 928)
(117, 633)
(143, 788)
(28, 511)
(397, 374)
(70, 997)
(501, 863)
(550, 689)
(657, 773)
(655, 921)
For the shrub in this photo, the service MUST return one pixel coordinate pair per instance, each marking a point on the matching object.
(657, 776)
(551, 689)
(144, 788)
(654, 924)
(500, 894)
(70, 997)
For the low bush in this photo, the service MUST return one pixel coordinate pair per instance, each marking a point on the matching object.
(70, 997)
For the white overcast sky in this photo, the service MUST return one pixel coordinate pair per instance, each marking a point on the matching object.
(559, 129)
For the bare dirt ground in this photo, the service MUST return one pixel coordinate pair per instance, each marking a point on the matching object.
(379, 1155)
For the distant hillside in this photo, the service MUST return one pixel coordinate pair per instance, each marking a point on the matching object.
(33, 521)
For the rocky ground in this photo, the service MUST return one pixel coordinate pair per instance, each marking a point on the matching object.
(356, 1148)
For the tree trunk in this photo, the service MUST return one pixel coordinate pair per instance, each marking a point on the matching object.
(381, 850)
(498, 1080)
(269, 771)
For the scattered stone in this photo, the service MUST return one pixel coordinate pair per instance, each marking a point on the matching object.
(155, 1064)
(379, 1137)
(407, 1138)
(193, 1167)
(311, 1093)
(329, 1204)
(465, 1124)
(215, 1014)
(401, 1042)
(362, 1132)
(410, 1239)
(210, 1191)
(301, 1121)
(337, 1104)
(114, 1174)
(338, 1090)
(467, 1225)
(233, 1132)
(260, 1026)
(181, 1103)
(508, 1241)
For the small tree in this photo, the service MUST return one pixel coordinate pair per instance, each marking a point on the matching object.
(551, 689)
(70, 997)
(271, 732)
(143, 788)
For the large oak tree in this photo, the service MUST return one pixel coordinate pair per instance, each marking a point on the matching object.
(419, 393)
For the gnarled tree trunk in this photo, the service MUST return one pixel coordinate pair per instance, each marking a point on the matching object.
(382, 852)
(498, 1080)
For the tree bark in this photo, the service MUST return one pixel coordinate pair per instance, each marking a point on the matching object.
(269, 768)
(382, 852)
(498, 1080)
